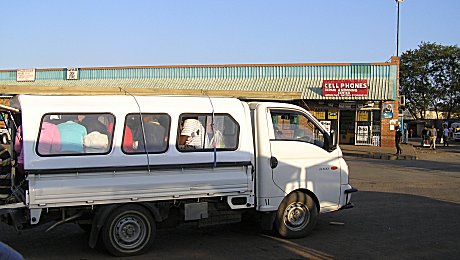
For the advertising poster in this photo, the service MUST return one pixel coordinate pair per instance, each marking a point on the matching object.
(387, 111)
(332, 114)
(363, 134)
(320, 115)
(72, 73)
(23, 75)
(363, 116)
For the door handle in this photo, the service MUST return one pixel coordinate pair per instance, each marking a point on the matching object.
(273, 162)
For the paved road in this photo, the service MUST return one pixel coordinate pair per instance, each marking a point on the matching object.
(404, 210)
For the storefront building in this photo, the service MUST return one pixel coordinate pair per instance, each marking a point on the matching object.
(356, 100)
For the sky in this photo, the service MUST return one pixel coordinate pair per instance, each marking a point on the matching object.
(101, 33)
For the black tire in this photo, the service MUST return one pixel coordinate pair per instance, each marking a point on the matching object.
(296, 216)
(129, 231)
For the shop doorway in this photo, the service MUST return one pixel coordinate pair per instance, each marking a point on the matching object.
(367, 127)
(347, 126)
(359, 127)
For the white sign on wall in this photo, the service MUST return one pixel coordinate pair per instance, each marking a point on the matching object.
(72, 73)
(25, 75)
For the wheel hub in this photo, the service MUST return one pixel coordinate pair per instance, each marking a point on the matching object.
(129, 232)
(296, 216)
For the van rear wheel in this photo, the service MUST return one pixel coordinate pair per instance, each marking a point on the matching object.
(296, 216)
(129, 230)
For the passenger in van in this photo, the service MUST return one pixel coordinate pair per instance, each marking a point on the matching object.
(96, 142)
(127, 145)
(192, 134)
(155, 134)
(97, 139)
(92, 123)
(214, 136)
(50, 139)
(72, 134)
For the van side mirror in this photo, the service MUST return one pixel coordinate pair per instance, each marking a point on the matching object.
(332, 141)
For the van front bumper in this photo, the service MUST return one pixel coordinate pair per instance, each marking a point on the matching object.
(347, 192)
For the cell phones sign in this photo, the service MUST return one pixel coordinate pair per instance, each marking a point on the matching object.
(345, 88)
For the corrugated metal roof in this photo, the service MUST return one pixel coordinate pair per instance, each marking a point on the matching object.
(306, 79)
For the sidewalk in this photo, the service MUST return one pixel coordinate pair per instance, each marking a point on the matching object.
(377, 152)
(410, 151)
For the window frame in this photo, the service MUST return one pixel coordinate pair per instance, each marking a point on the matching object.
(37, 143)
(218, 149)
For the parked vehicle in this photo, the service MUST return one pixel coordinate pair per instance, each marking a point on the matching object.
(4, 133)
(456, 128)
(145, 162)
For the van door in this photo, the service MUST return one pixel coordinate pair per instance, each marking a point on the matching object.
(299, 158)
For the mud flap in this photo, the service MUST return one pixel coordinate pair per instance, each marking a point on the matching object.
(268, 219)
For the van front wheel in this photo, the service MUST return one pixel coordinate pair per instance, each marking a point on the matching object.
(129, 230)
(296, 216)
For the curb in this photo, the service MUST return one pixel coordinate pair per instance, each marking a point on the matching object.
(381, 156)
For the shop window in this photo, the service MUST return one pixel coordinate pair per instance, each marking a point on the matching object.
(75, 134)
(146, 133)
(205, 132)
(295, 126)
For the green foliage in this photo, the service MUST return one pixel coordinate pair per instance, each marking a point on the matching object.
(430, 79)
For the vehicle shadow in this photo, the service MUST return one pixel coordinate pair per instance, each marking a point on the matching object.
(382, 225)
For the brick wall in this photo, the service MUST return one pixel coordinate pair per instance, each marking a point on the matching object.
(387, 135)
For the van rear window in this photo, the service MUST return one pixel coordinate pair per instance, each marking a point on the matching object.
(75, 134)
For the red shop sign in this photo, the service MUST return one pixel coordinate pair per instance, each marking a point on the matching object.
(345, 88)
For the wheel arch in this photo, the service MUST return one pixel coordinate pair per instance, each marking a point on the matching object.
(311, 194)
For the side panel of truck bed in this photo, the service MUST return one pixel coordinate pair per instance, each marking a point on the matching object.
(71, 189)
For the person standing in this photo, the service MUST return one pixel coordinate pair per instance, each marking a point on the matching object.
(19, 149)
(398, 137)
(424, 135)
(406, 135)
(445, 135)
(433, 134)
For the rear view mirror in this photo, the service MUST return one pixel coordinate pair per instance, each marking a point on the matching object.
(332, 141)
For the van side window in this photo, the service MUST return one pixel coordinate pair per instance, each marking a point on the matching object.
(295, 126)
(75, 134)
(203, 132)
(147, 133)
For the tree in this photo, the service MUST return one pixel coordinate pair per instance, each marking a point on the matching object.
(430, 79)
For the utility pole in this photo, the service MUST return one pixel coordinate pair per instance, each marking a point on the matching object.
(397, 28)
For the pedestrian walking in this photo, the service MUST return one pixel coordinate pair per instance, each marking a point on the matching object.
(398, 137)
(433, 134)
(424, 136)
(445, 135)
(406, 136)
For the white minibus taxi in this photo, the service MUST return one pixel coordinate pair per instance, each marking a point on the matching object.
(123, 166)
